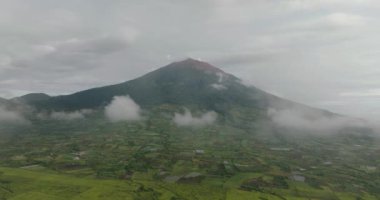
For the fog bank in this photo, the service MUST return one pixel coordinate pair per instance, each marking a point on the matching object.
(11, 116)
(318, 122)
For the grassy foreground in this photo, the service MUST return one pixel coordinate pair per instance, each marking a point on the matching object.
(22, 184)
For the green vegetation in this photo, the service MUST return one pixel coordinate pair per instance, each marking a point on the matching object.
(154, 159)
(240, 156)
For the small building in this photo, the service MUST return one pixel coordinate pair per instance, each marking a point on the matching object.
(280, 149)
(296, 177)
(199, 151)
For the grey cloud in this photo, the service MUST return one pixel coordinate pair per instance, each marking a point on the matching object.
(232, 59)
(67, 63)
(97, 46)
(73, 54)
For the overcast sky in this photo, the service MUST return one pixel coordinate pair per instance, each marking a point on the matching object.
(325, 53)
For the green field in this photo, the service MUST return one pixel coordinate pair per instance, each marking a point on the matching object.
(154, 159)
(21, 184)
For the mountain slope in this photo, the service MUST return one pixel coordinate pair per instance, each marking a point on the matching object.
(186, 83)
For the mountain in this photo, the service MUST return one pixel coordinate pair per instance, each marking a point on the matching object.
(31, 98)
(189, 82)
(252, 134)
(186, 83)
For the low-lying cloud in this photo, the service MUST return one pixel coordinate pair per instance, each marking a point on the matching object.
(123, 108)
(79, 114)
(10, 116)
(316, 122)
(64, 115)
(187, 119)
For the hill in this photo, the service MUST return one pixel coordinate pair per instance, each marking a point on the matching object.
(31, 98)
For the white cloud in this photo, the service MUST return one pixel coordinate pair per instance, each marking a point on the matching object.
(123, 108)
(220, 76)
(187, 119)
(307, 120)
(218, 86)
